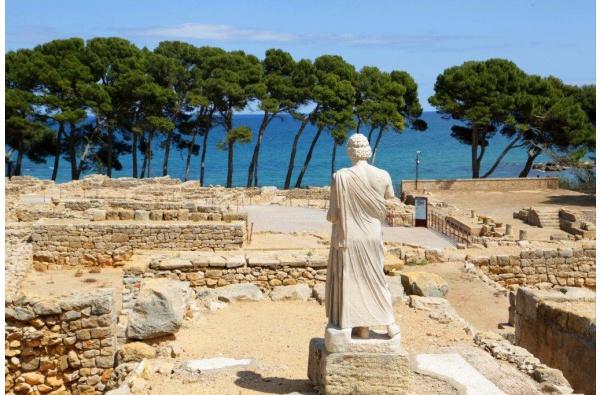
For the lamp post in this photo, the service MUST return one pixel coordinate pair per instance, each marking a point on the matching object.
(417, 161)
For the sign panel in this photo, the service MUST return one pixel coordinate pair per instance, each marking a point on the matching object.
(421, 211)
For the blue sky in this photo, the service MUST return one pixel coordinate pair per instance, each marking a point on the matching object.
(545, 37)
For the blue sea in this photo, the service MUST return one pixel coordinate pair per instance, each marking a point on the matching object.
(441, 155)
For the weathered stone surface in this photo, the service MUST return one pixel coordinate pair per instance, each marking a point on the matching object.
(235, 292)
(159, 309)
(358, 373)
(424, 284)
(396, 289)
(136, 351)
(96, 214)
(291, 292)
(141, 215)
(318, 292)
(341, 340)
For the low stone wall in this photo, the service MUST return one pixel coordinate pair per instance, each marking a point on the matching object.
(480, 184)
(212, 271)
(17, 256)
(63, 345)
(560, 329)
(560, 266)
(110, 243)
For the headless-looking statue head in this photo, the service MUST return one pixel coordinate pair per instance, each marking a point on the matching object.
(358, 148)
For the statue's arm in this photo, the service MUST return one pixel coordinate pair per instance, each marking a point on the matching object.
(332, 213)
(389, 188)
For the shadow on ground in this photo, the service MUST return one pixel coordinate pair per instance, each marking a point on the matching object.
(579, 200)
(272, 385)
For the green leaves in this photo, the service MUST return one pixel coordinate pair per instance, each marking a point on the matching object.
(240, 134)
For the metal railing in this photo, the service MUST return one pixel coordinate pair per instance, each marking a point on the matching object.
(437, 221)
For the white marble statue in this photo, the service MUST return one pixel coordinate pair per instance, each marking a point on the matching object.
(357, 295)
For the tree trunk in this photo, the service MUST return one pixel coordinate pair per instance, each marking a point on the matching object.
(308, 158)
(532, 154)
(501, 156)
(149, 153)
(167, 150)
(474, 146)
(371, 133)
(203, 158)
(83, 158)
(109, 151)
(333, 158)
(72, 152)
(229, 164)
(189, 156)
(288, 176)
(253, 168)
(19, 163)
(61, 131)
(381, 130)
(134, 147)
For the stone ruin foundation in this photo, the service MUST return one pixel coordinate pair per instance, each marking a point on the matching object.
(559, 327)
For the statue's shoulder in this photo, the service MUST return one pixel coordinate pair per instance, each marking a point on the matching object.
(380, 172)
(341, 173)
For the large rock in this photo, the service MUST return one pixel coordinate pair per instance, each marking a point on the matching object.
(318, 292)
(136, 351)
(396, 289)
(424, 284)
(291, 292)
(160, 308)
(234, 292)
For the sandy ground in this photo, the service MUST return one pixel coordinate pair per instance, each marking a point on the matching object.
(284, 219)
(468, 294)
(57, 283)
(276, 336)
(502, 205)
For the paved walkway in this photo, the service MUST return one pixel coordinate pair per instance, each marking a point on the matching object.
(302, 219)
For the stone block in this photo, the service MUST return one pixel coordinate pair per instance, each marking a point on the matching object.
(424, 284)
(96, 214)
(125, 214)
(291, 292)
(341, 340)
(141, 215)
(358, 372)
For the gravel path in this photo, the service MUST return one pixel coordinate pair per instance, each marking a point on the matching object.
(284, 219)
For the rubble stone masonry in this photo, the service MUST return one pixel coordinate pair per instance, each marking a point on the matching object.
(561, 266)
(60, 346)
(111, 243)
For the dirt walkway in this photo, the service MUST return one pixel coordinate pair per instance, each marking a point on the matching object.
(475, 301)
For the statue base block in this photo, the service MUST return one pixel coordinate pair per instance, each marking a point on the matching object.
(358, 372)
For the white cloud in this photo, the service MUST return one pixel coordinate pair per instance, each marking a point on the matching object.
(206, 31)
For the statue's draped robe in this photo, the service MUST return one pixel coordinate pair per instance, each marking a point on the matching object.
(356, 291)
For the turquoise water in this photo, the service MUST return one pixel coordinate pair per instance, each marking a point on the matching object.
(441, 156)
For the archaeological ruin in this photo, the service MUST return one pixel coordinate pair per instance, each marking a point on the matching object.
(157, 286)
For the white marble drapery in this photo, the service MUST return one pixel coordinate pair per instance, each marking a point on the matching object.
(356, 290)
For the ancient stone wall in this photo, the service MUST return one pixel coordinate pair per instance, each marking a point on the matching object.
(67, 344)
(109, 243)
(561, 331)
(560, 266)
(17, 256)
(488, 184)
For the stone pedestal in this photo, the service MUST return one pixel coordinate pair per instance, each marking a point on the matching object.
(340, 364)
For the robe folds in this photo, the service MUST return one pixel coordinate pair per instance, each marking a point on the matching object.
(356, 291)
